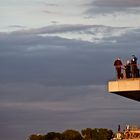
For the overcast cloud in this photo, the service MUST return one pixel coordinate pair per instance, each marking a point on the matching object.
(114, 6)
(56, 62)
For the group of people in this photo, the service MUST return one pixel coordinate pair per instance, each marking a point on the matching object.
(130, 68)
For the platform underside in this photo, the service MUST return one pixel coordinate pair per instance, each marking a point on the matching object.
(134, 95)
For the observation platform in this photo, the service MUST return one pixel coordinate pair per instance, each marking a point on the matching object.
(129, 88)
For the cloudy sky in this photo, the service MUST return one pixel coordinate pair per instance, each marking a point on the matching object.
(56, 57)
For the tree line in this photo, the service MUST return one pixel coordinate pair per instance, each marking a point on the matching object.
(86, 134)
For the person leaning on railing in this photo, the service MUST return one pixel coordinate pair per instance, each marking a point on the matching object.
(134, 66)
(127, 69)
(118, 64)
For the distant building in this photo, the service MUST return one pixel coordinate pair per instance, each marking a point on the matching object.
(130, 133)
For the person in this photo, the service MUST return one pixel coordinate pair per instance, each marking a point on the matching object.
(128, 69)
(134, 66)
(118, 64)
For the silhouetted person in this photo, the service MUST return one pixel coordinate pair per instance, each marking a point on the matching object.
(118, 64)
(128, 69)
(119, 128)
(134, 66)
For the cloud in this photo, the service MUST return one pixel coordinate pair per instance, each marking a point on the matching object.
(68, 38)
(117, 3)
(54, 67)
(64, 99)
(17, 26)
(65, 35)
(56, 29)
(48, 8)
(49, 12)
(51, 4)
(113, 6)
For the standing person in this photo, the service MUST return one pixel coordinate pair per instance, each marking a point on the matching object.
(134, 66)
(128, 69)
(118, 64)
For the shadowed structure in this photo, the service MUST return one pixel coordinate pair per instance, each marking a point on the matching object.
(129, 88)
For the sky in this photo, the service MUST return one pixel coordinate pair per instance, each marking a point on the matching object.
(56, 59)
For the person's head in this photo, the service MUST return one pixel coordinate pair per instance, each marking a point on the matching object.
(118, 58)
(133, 55)
(127, 62)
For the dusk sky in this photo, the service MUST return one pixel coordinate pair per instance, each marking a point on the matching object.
(56, 58)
